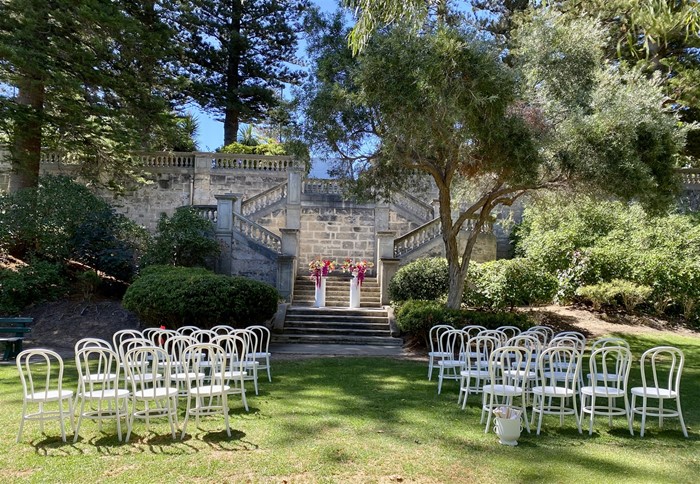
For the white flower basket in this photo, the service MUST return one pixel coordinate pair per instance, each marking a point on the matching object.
(507, 424)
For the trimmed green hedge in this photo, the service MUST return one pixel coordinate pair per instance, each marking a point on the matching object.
(179, 296)
(415, 318)
(421, 279)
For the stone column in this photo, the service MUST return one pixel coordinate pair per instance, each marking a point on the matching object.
(287, 262)
(224, 230)
(385, 256)
(381, 216)
(200, 183)
(293, 209)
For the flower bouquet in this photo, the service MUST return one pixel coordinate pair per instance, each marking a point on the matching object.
(321, 268)
(357, 268)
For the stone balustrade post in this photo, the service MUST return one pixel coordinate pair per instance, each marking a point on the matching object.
(293, 208)
(381, 216)
(200, 187)
(387, 265)
(286, 263)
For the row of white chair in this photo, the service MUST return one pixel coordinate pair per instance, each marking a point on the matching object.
(522, 367)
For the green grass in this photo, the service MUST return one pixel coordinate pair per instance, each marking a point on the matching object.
(359, 420)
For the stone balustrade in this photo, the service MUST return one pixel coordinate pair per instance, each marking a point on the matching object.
(257, 233)
(317, 186)
(690, 176)
(421, 210)
(238, 161)
(207, 212)
(263, 200)
(418, 237)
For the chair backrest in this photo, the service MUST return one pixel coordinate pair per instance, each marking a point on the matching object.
(40, 370)
(509, 331)
(128, 344)
(480, 349)
(235, 348)
(605, 342)
(123, 334)
(203, 358)
(569, 341)
(187, 330)
(472, 330)
(495, 333)
(98, 369)
(610, 367)
(559, 366)
(510, 365)
(539, 334)
(175, 347)
(451, 342)
(434, 334)
(159, 336)
(143, 371)
(223, 329)
(204, 335)
(546, 330)
(661, 367)
(572, 334)
(526, 340)
(264, 337)
(251, 339)
(91, 343)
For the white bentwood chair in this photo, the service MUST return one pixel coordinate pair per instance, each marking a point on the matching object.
(434, 353)
(41, 373)
(666, 365)
(509, 368)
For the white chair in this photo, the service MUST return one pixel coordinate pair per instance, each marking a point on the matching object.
(509, 367)
(122, 335)
(546, 332)
(477, 366)
(203, 335)
(96, 374)
(176, 348)
(187, 330)
(433, 336)
(262, 351)
(206, 398)
(92, 343)
(572, 334)
(495, 333)
(613, 373)
(510, 331)
(148, 385)
(124, 347)
(223, 329)
(664, 385)
(41, 373)
(558, 375)
(98, 383)
(611, 366)
(250, 364)
(450, 366)
(605, 342)
(159, 336)
(472, 330)
(234, 347)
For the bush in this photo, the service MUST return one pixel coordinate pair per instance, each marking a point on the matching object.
(508, 283)
(425, 279)
(185, 239)
(628, 293)
(415, 318)
(61, 220)
(178, 296)
(39, 281)
(272, 148)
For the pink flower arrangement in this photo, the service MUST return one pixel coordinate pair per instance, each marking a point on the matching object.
(321, 268)
(359, 268)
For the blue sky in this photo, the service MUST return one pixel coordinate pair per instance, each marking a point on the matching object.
(211, 132)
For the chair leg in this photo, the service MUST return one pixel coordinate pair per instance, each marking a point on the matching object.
(269, 375)
(224, 405)
(680, 417)
(21, 422)
(430, 368)
(628, 413)
(80, 420)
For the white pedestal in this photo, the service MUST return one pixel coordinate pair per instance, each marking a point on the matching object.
(354, 293)
(320, 296)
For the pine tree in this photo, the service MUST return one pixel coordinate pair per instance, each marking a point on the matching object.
(239, 54)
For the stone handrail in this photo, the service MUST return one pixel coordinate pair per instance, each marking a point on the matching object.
(319, 186)
(263, 200)
(421, 210)
(690, 176)
(207, 212)
(240, 161)
(257, 233)
(417, 237)
(430, 231)
(165, 159)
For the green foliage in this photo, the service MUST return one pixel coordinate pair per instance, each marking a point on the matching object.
(270, 148)
(177, 296)
(630, 294)
(421, 279)
(415, 318)
(36, 282)
(61, 220)
(507, 283)
(185, 239)
(586, 243)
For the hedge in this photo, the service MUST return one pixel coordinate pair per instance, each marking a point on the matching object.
(179, 296)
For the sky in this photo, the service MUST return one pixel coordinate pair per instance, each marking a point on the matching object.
(211, 132)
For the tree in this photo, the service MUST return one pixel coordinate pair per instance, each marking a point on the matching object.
(440, 103)
(239, 55)
(86, 78)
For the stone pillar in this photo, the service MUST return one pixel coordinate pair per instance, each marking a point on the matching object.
(225, 208)
(385, 252)
(290, 242)
(200, 186)
(293, 209)
(387, 269)
(436, 207)
(285, 276)
(381, 216)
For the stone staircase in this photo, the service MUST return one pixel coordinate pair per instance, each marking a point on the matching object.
(337, 292)
(336, 323)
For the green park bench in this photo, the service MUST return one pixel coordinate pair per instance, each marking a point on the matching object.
(12, 332)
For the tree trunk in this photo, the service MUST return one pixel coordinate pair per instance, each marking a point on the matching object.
(26, 148)
(233, 79)
(449, 237)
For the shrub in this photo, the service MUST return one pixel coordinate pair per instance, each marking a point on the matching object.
(185, 239)
(628, 293)
(509, 283)
(36, 282)
(598, 294)
(177, 296)
(421, 279)
(415, 318)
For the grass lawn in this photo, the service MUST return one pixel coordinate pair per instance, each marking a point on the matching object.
(359, 420)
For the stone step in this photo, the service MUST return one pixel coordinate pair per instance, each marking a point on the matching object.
(331, 319)
(339, 304)
(344, 292)
(327, 331)
(341, 312)
(339, 339)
